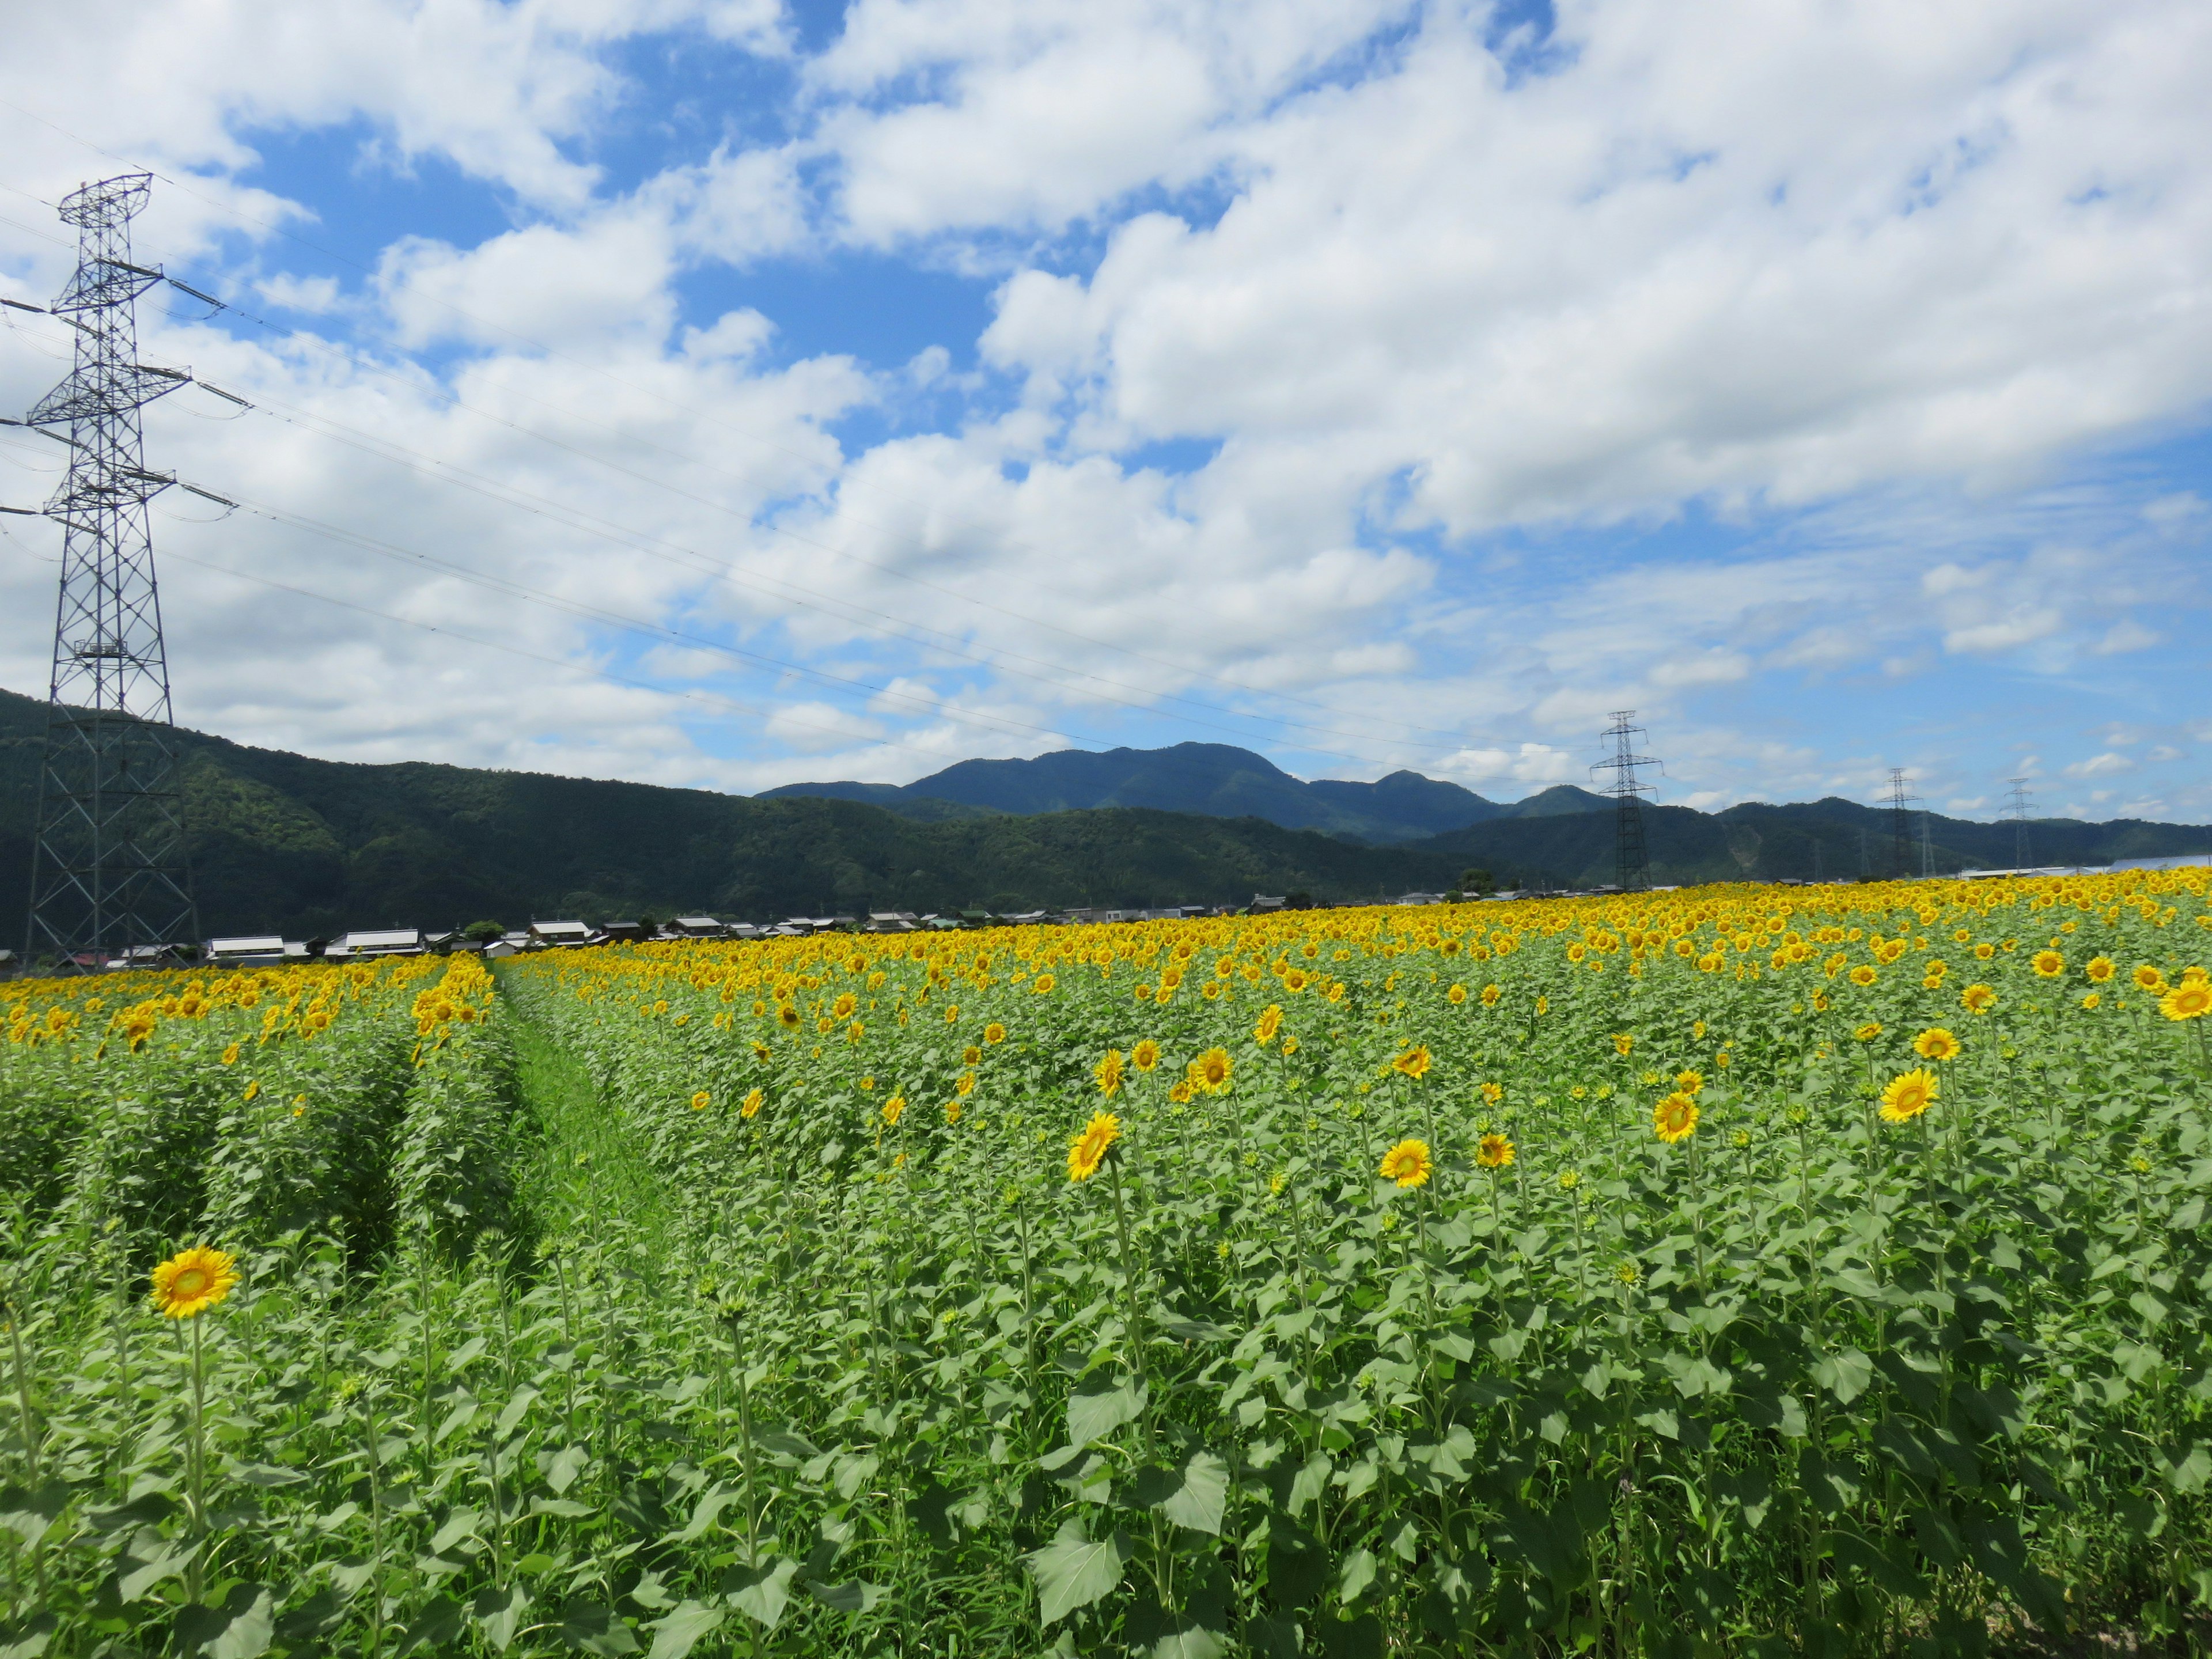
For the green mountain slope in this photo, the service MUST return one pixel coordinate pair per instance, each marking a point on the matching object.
(281, 842)
(1213, 779)
(1758, 842)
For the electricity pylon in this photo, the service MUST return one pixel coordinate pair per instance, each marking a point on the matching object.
(108, 866)
(1631, 867)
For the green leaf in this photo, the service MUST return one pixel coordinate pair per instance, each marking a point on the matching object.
(28, 1514)
(241, 1628)
(2187, 1475)
(676, 1635)
(596, 1629)
(1073, 1572)
(853, 1595)
(1193, 1496)
(31, 1638)
(1100, 1405)
(1845, 1374)
(147, 1560)
(561, 1472)
(1356, 1575)
(762, 1590)
(1309, 1483)
(498, 1612)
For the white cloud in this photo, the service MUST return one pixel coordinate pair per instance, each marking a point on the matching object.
(2101, 766)
(2006, 634)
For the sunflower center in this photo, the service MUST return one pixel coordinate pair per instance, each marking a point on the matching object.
(193, 1282)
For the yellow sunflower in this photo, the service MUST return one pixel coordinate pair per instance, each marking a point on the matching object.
(1108, 1073)
(2048, 964)
(702, 1101)
(1936, 1043)
(1675, 1118)
(1407, 1164)
(894, 1108)
(1088, 1150)
(1270, 1022)
(1146, 1054)
(1908, 1095)
(994, 1032)
(1490, 996)
(1862, 975)
(1210, 1070)
(1868, 1032)
(2190, 999)
(753, 1102)
(193, 1280)
(1690, 1082)
(1413, 1063)
(1623, 1044)
(1977, 999)
(2100, 969)
(1493, 1152)
(2150, 979)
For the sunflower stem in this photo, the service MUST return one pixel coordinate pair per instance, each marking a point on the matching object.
(196, 1466)
(30, 1440)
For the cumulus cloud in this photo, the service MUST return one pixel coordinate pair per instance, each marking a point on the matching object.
(1350, 387)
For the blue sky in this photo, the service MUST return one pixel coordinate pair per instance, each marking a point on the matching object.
(727, 394)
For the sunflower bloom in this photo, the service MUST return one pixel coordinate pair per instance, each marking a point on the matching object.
(1936, 1043)
(1675, 1118)
(2100, 969)
(191, 1281)
(894, 1108)
(1407, 1164)
(1490, 996)
(1493, 1152)
(1977, 999)
(1270, 1021)
(1210, 1070)
(1623, 1044)
(1145, 1055)
(1088, 1150)
(1109, 1073)
(753, 1102)
(1862, 975)
(1908, 1095)
(2048, 964)
(1413, 1063)
(2148, 978)
(702, 1101)
(2190, 999)
(994, 1032)
(1868, 1032)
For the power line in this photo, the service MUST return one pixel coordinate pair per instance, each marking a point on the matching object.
(278, 229)
(335, 431)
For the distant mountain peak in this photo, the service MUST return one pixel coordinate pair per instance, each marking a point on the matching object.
(1212, 779)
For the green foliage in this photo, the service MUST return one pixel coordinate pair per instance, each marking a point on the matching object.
(644, 1372)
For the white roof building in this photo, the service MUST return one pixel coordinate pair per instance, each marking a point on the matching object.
(380, 942)
(257, 950)
(559, 932)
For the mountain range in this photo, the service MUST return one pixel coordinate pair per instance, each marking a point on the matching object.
(1214, 780)
(287, 843)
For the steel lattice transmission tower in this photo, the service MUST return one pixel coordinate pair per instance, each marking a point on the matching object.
(1900, 803)
(2016, 804)
(108, 869)
(1633, 871)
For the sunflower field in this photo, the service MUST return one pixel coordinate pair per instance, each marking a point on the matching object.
(1734, 1270)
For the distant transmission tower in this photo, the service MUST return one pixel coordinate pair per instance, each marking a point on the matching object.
(108, 869)
(1632, 872)
(2016, 806)
(1901, 800)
